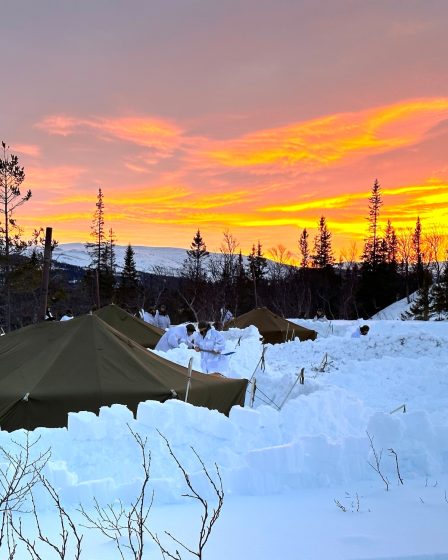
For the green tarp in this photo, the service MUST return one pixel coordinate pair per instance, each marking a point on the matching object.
(272, 327)
(133, 327)
(52, 368)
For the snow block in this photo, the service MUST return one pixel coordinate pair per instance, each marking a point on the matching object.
(270, 420)
(81, 426)
(102, 490)
(115, 419)
(214, 423)
(280, 459)
(385, 429)
(59, 475)
(167, 417)
(149, 413)
(245, 418)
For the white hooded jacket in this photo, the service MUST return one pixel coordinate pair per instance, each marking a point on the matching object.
(173, 338)
(212, 345)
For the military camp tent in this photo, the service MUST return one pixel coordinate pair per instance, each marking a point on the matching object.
(133, 327)
(52, 368)
(272, 327)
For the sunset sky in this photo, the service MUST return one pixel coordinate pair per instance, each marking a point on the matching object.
(252, 116)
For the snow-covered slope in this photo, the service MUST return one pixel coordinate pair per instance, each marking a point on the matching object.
(164, 260)
(147, 259)
(396, 309)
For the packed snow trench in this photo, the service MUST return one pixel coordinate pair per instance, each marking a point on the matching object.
(302, 451)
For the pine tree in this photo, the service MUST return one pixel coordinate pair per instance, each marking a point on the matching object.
(129, 282)
(379, 285)
(98, 247)
(129, 275)
(304, 249)
(390, 245)
(439, 293)
(323, 253)
(417, 251)
(99, 254)
(421, 308)
(372, 247)
(194, 267)
(12, 176)
(257, 263)
(243, 293)
(240, 271)
(193, 286)
(111, 260)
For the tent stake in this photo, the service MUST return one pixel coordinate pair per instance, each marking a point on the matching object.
(260, 361)
(190, 367)
(300, 377)
(252, 395)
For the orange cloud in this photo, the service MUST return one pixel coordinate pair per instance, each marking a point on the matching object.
(322, 142)
(174, 204)
(148, 132)
(320, 203)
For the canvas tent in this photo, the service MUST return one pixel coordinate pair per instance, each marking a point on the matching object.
(52, 368)
(133, 327)
(272, 327)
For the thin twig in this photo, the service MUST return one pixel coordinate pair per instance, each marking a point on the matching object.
(376, 467)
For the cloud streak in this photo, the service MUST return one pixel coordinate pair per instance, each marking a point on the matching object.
(161, 136)
(333, 139)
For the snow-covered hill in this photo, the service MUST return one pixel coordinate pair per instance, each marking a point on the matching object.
(161, 260)
(395, 310)
(147, 259)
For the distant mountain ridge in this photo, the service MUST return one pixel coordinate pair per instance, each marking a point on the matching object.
(147, 259)
(166, 260)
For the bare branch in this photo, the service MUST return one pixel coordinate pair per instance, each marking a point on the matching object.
(392, 452)
(20, 474)
(208, 517)
(114, 521)
(377, 464)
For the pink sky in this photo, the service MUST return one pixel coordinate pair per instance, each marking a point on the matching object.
(253, 116)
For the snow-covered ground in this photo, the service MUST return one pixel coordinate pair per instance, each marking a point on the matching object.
(297, 466)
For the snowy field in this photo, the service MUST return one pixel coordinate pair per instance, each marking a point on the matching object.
(297, 466)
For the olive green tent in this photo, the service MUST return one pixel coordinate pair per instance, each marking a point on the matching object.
(52, 368)
(272, 327)
(133, 327)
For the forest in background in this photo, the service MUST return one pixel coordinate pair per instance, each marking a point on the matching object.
(392, 266)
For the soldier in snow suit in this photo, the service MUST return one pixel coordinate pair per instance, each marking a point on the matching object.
(211, 343)
(175, 336)
(163, 319)
(152, 317)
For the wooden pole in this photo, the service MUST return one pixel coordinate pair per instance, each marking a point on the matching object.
(252, 394)
(46, 272)
(190, 367)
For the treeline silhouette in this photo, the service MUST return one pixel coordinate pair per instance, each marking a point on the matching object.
(392, 266)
